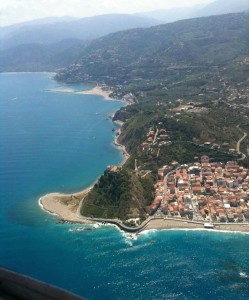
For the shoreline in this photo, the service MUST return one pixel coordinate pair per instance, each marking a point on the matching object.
(67, 206)
(121, 147)
(170, 224)
(96, 90)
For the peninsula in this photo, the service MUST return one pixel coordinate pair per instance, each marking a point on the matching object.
(196, 196)
(185, 134)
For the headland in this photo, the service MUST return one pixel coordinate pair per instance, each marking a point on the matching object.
(97, 90)
(183, 209)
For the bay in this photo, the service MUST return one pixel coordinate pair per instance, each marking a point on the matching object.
(63, 142)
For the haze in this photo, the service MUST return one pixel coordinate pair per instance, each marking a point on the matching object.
(16, 11)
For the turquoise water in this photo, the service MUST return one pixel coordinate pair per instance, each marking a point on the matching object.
(63, 142)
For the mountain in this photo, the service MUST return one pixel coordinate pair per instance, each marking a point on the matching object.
(37, 57)
(172, 15)
(83, 29)
(169, 60)
(217, 7)
(224, 7)
(7, 30)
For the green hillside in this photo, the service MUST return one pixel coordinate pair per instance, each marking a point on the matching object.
(118, 194)
(181, 59)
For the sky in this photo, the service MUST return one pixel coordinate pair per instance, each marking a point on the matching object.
(16, 11)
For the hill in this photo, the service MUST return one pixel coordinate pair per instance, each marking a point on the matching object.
(181, 59)
(118, 194)
(7, 30)
(190, 79)
(82, 29)
(217, 7)
(173, 14)
(37, 57)
(224, 7)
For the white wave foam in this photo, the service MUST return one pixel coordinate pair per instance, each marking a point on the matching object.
(243, 275)
(42, 207)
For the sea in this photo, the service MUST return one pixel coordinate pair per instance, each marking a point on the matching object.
(58, 142)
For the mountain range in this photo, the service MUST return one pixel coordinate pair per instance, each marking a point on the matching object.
(49, 32)
(53, 43)
(217, 7)
(158, 52)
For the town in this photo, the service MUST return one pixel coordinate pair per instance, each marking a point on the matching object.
(211, 192)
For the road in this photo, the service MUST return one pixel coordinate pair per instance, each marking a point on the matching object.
(239, 142)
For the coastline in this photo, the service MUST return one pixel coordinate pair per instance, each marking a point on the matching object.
(67, 206)
(121, 147)
(97, 90)
(170, 224)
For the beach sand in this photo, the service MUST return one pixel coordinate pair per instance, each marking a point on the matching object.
(122, 149)
(181, 224)
(97, 90)
(66, 207)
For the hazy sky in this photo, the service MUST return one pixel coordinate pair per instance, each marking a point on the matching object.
(15, 11)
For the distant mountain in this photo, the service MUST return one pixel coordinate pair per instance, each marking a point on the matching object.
(172, 15)
(218, 7)
(7, 30)
(83, 29)
(170, 60)
(38, 57)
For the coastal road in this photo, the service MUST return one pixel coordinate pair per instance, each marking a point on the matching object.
(239, 142)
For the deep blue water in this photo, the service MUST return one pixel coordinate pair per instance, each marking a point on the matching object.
(63, 142)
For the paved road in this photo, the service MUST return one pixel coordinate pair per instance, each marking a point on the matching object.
(239, 142)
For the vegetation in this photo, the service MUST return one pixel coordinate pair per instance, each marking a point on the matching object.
(190, 80)
(166, 62)
(118, 194)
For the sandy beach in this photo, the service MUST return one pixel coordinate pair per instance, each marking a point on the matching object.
(97, 90)
(65, 206)
(181, 224)
(122, 149)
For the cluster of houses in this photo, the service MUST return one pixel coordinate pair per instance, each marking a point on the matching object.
(204, 191)
(156, 136)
